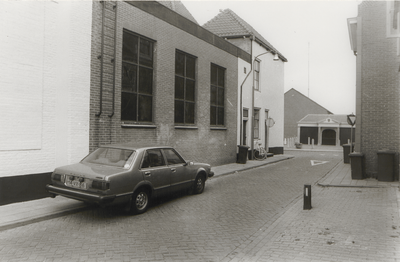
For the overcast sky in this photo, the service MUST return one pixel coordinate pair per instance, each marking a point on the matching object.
(312, 35)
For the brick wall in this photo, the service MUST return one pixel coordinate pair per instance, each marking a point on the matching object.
(200, 144)
(379, 93)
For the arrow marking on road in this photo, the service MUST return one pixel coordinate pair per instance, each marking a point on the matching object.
(317, 162)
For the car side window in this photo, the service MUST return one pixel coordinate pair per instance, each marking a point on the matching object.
(172, 157)
(153, 158)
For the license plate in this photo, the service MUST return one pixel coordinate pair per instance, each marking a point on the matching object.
(76, 184)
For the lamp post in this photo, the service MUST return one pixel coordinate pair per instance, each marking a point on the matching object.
(351, 120)
(276, 58)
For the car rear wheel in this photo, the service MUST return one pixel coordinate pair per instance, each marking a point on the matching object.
(199, 184)
(140, 201)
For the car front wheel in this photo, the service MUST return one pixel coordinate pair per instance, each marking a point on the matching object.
(140, 201)
(199, 184)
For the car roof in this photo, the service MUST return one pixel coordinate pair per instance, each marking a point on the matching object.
(132, 147)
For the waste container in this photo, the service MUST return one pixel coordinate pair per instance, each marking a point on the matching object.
(386, 165)
(242, 155)
(346, 152)
(357, 165)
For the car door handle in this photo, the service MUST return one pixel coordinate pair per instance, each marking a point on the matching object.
(173, 170)
(147, 173)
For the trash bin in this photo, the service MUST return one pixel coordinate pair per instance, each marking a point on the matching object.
(346, 152)
(386, 165)
(242, 155)
(357, 165)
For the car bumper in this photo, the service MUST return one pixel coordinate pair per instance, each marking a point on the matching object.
(211, 174)
(79, 195)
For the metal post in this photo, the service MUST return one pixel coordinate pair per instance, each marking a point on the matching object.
(307, 197)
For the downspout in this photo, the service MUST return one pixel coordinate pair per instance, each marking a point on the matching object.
(252, 107)
(114, 60)
(101, 57)
(241, 96)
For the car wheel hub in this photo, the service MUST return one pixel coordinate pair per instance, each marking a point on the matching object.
(141, 201)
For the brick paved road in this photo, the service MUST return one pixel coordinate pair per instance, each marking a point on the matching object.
(247, 216)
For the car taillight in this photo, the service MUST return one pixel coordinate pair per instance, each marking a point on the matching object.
(102, 185)
(58, 177)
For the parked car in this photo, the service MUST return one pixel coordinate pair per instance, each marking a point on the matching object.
(115, 174)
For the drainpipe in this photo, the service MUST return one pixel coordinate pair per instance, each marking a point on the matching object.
(241, 96)
(113, 60)
(101, 57)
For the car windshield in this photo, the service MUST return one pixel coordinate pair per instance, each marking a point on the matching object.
(111, 157)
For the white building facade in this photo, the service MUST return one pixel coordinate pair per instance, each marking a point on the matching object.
(45, 86)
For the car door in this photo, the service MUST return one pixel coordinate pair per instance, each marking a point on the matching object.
(181, 178)
(155, 170)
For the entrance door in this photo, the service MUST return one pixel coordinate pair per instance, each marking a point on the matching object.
(329, 137)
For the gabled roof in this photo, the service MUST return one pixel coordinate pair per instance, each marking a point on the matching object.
(319, 118)
(295, 91)
(227, 24)
(179, 8)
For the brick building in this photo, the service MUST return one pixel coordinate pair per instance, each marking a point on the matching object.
(261, 88)
(374, 36)
(171, 82)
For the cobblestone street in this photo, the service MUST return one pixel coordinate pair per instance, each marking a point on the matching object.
(255, 215)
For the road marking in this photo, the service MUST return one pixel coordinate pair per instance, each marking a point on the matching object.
(318, 162)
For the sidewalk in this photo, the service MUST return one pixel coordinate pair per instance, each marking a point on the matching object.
(19, 214)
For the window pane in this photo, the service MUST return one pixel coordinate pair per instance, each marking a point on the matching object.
(189, 113)
(179, 111)
(145, 80)
(129, 77)
(213, 115)
(172, 157)
(146, 52)
(220, 116)
(179, 87)
(130, 47)
(214, 75)
(145, 108)
(213, 95)
(221, 76)
(128, 106)
(179, 64)
(221, 96)
(189, 90)
(190, 67)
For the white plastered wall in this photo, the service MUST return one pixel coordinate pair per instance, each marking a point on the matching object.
(44, 84)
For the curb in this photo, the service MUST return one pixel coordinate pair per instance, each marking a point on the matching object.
(252, 167)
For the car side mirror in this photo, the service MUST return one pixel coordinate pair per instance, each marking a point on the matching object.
(188, 163)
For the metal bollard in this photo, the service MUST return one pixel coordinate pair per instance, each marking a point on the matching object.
(307, 197)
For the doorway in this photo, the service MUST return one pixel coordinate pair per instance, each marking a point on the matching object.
(329, 137)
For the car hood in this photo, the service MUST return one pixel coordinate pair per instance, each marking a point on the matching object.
(89, 170)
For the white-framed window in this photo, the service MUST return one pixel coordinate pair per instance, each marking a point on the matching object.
(257, 75)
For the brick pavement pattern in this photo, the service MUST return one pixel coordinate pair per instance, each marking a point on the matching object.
(254, 215)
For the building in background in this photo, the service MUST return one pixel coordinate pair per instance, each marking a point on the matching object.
(328, 129)
(374, 38)
(261, 87)
(298, 106)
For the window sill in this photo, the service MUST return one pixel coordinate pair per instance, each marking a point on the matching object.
(186, 127)
(137, 126)
(218, 128)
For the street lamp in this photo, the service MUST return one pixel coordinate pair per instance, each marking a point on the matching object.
(351, 120)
